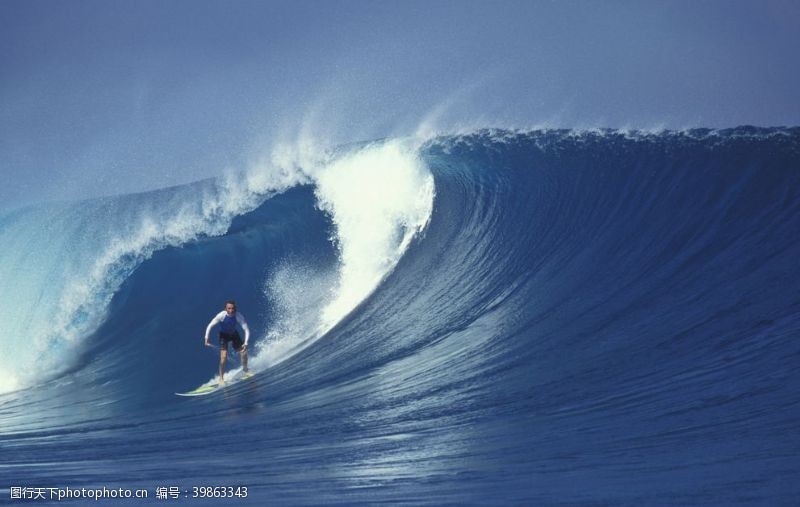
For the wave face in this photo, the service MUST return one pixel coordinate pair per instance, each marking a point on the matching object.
(581, 318)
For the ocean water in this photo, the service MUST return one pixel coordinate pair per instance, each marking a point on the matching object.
(547, 317)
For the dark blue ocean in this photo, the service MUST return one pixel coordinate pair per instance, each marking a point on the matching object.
(499, 318)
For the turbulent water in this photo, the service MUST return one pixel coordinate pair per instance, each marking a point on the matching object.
(546, 317)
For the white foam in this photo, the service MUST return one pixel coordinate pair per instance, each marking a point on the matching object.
(296, 292)
(378, 197)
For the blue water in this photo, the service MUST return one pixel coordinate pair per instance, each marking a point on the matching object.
(585, 318)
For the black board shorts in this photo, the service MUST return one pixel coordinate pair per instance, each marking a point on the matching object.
(226, 338)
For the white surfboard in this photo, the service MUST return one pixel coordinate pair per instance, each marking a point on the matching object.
(206, 389)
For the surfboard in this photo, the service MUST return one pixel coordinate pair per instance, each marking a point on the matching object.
(201, 391)
(211, 388)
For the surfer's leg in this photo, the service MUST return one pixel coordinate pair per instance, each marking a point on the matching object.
(238, 345)
(223, 356)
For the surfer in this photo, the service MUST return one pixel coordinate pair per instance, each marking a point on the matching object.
(228, 318)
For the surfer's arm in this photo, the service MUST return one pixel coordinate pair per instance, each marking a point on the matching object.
(243, 323)
(212, 324)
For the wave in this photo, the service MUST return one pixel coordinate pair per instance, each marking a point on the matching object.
(491, 317)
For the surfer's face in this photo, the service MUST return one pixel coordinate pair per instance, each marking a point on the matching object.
(230, 309)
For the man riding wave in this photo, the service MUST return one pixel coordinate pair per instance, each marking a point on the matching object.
(228, 319)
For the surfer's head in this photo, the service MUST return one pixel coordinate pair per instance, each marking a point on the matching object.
(230, 306)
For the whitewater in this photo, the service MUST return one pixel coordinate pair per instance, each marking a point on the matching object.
(500, 316)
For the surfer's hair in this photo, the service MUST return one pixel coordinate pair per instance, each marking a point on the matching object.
(231, 302)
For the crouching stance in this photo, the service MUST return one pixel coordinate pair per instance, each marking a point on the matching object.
(227, 319)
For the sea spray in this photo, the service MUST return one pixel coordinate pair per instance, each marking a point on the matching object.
(378, 197)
